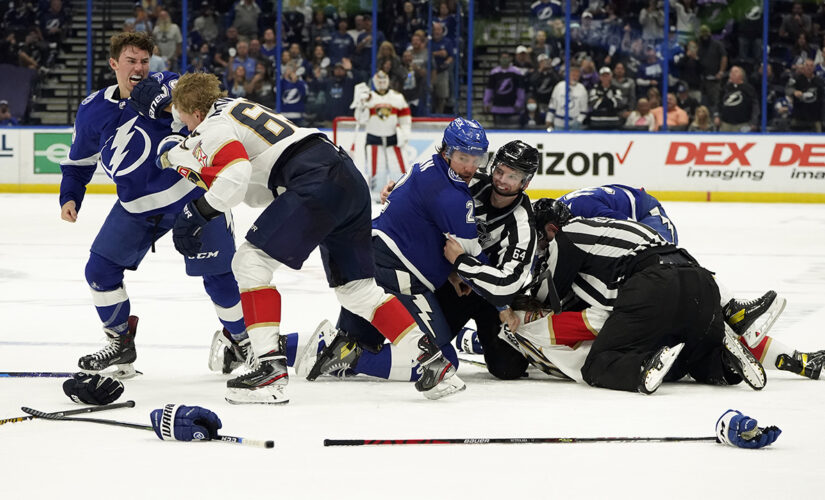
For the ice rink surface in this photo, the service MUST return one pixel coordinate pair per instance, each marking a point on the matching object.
(47, 321)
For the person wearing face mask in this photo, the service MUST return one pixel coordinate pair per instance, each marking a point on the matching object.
(504, 95)
(531, 118)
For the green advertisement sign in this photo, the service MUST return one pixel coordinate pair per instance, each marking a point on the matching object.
(50, 149)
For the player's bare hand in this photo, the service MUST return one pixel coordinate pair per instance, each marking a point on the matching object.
(452, 249)
(68, 212)
(461, 288)
(511, 318)
(385, 192)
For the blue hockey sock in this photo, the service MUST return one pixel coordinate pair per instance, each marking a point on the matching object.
(291, 348)
(375, 364)
(223, 290)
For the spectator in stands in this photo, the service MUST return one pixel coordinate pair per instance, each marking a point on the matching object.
(540, 45)
(650, 73)
(320, 29)
(592, 38)
(641, 118)
(341, 44)
(235, 81)
(626, 85)
(654, 97)
(207, 23)
(340, 90)
(687, 22)
(543, 11)
(55, 24)
(504, 96)
(242, 59)
(739, 107)
(320, 62)
(577, 104)
(749, 34)
(269, 47)
(448, 19)
(36, 48)
(677, 118)
(363, 48)
(541, 82)
(684, 100)
(531, 117)
(418, 46)
(140, 21)
(795, 23)
(702, 122)
(168, 38)
(261, 88)
(293, 27)
(294, 91)
(443, 52)
(201, 61)
(299, 62)
(152, 8)
(225, 49)
(406, 25)
(20, 17)
(157, 62)
(713, 60)
(390, 63)
(801, 51)
(606, 103)
(246, 13)
(808, 93)
(413, 85)
(690, 70)
(255, 50)
(652, 20)
(6, 119)
(589, 77)
(11, 53)
(523, 60)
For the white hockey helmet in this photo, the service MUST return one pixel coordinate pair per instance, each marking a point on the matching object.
(381, 82)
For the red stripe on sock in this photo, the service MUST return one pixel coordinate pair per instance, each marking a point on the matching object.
(392, 319)
(569, 328)
(400, 159)
(261, 305)
(759, 350)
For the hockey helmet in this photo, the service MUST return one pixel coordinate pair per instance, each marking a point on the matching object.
(381, 82)
(520, 156)
(466, 136)
(549, 210)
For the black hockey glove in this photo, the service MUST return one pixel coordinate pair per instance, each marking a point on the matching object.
(84, 388)
(150, 98)
(185, 423)
(189, 226)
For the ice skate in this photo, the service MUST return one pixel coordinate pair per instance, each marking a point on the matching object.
(337, 359)
(323, 336)
(266, 384)
(742, 361)
(655, 369)
(754, 318)
(226, 355)
(438, 378)
(807, 364)
(115, 360)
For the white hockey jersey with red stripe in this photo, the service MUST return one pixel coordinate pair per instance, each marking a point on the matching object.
(233, 151)
(385, 115)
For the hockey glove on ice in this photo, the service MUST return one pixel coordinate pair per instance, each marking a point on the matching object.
(167, 143)
(84, 388)
(735, 429)
(185, 423)
(150, 98)
(189, 226)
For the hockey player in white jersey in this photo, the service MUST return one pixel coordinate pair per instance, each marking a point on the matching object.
(312, 195)
(385, 117)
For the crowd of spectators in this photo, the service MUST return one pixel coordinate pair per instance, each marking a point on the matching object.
(617, 51)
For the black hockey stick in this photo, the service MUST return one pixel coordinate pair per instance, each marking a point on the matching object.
(88, 409)
(369, 442)
(37, 374)
(225, 439)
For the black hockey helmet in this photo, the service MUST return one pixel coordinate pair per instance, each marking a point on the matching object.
(548, 210)
(520, 156)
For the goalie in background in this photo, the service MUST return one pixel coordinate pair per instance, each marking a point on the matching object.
(385, 118)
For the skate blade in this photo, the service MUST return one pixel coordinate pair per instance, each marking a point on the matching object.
(269, 395)
(757, 331)
(751, 370)
(446, 387)
(120, 372)
(655, 376)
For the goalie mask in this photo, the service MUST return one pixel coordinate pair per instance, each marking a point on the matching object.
(381, 82)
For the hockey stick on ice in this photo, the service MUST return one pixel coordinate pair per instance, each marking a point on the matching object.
(37, 374)
(225, 439)
(370, 442)
(88, 409)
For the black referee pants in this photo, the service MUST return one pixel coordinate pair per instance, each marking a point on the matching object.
(502, 360)
(661, 305)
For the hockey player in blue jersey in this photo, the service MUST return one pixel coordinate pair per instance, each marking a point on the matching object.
(429, 204)
(110, 133)
(616, 201)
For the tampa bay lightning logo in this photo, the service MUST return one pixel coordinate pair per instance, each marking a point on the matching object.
(292, 96)
(733, 99)
(127, 150)
(198, 436)
(506, 86)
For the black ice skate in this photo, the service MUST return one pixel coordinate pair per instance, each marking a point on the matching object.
(226, 354)
(337, 359)
(266, 384)
(753, 319)
(741, 361)
(438, 378)
(119, 354)
(655, 368)
(807, 364)
(323, 337)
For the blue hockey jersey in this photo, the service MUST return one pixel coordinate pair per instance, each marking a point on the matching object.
(109, 133)
(428, 203)
(614, 201)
